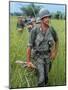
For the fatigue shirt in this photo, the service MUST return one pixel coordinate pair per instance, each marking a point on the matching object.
(39, 40)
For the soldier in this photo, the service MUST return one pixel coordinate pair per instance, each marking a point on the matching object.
(31, 24)
(43, 44)
(33, 21)
(20, 23)
(38, 21)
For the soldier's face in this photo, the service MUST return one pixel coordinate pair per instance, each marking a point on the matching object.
(46, 20)
(29, 27)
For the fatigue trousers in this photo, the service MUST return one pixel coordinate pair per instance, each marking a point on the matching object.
(43, 69)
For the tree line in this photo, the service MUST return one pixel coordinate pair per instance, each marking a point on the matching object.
(33, 10)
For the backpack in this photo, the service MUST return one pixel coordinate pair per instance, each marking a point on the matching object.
(55, 37)
(54, 34)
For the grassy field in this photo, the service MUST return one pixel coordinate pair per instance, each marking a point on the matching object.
(20, 77)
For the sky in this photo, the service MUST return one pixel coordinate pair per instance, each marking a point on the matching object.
(15, 7)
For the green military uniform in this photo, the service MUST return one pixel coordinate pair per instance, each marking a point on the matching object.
(41, 43)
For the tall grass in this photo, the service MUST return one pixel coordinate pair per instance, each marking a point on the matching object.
(21, 77)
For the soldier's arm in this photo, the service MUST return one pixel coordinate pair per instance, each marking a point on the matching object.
(55, 36)
(29, 63)
(51, 44)
(30, 45)
(52, 51)
(28, 52)
(54, 45)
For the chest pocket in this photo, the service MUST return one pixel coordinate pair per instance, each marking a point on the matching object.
(41, 42)
(39, 39)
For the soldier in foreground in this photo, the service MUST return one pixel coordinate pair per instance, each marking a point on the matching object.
(42, 43)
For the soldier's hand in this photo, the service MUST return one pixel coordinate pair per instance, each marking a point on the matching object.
(53, 55)
(30, 65)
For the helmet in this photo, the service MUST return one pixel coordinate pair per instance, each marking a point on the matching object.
(38, 20)
(43, 13)
(29, 23)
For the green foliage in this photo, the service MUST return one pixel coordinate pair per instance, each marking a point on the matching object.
(31, 10)
(58, 15)
(21, 77)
